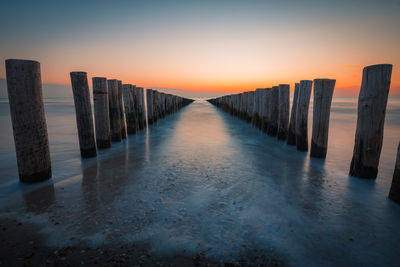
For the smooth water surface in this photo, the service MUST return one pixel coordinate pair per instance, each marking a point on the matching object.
(206, 182)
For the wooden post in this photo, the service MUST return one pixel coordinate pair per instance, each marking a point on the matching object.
(155, 106)
(284, 104)
(372, 103)
(121, 110)
(256, 106)
(273, 111)
(250, 106)
(115, 116)
(264, 110)
(24, 86)
(394, 193)
(267, 118)
(302, 115)
(323, 93)
(141, 107)
(83, 111)
(291, 139)
(101, 112)
(130, 109)
(149, 102)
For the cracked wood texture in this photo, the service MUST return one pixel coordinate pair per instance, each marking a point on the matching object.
(101, 112)
(302, 115)
(83, 112)
(323, 93)
(115, 116)
(130, 108)
(24, 86)
(273, 111)
(372, 103)
(284, 105)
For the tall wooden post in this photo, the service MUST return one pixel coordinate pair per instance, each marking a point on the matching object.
(115, 116)
(121, 110)
(83, 111)
(284, 104)
(291, 139)
(394, 193)
(24, 86)
(149, 102)
(267, 118)
(130, 109)
(323, 93)
(273, 111)
(302, 115)
(372, 103)
(101, 112)
(141, 107)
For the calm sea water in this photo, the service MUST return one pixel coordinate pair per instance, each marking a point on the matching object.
(206, 182)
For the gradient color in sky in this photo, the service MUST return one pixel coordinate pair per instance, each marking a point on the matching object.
(226, 46)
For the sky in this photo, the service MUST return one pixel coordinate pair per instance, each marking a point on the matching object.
(209, 46)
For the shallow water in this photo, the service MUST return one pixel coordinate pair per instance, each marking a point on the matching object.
(207, 182)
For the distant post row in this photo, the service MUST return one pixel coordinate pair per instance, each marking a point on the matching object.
(268, 109)
(118, 109)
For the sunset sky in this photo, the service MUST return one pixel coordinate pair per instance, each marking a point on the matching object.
(228, 46)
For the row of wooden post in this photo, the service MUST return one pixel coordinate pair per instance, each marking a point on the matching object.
(118, 109)
(268, 109)
(160, 104)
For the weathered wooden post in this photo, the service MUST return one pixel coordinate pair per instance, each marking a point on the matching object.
(130, 109)
(273, 111)
(323, 93)
(83, 111)
(24, 86)
(394, 193)
(256, 105)
(121, 110)
(264, 110)
(250, 107)
(101, 112)
(155, 106)
(267, 118)
(302, 115)
(291, 139)
(149, 102)
(115, 116)
(284, 104)
(372, 103)
(141, 107)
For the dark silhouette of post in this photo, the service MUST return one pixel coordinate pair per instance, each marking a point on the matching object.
(83, 111)
(284, 105)
(394, 193)
(267, 119)
(24, 86)
(263, 103)
(121, 110)
(372, 103)
(323, 93)
(291, 139)
(101, 112)
(141, 107)
(149, 102)
(302, 115)
(273, 111)
(115, 116)
(130, 108)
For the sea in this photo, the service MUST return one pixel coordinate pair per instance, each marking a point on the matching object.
(203, 181)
